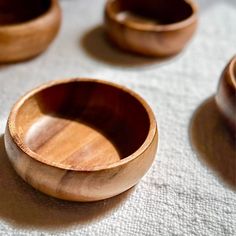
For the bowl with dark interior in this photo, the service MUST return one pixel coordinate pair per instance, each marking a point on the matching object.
(151, 27)
(27, 28)
(226, 94)
(81, 139)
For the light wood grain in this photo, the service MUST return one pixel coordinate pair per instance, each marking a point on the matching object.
(151, 27)
(81, 139)
(226, 94)
(27, 28)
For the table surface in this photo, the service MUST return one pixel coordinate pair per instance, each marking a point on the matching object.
(190, 189)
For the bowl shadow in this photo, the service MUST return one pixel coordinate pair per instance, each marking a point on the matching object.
(97, 45)
(3, 66)
(22, 206)
(213, 141)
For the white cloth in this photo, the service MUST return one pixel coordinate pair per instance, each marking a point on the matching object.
(180, 195)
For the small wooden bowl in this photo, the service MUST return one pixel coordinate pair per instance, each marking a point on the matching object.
(226, 94)
(27, 28)
(151, 27)
(81, 139)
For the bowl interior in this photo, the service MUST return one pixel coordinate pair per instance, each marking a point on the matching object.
(15, 11)
(153, 11)
(82, 123)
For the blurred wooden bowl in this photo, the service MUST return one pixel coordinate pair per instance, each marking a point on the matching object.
(81, 139)
(226, 94)
(27, 28)
(151, 27)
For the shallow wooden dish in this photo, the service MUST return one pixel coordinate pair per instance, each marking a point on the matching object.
(151, 27)
(27, 28)
(81, 139)
(226, 94)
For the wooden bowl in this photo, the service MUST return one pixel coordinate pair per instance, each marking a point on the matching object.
(151, 27)
(27, 28)
(226, 94)
(81, 139)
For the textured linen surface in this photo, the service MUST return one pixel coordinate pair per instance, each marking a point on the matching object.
(180, 195)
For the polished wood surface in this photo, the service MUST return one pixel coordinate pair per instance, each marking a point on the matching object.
(151, 27)
(27, 28)
(81, 139)
(226, 94)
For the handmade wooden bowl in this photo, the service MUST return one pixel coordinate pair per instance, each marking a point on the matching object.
(151, 27)
(226, 94)
(27, 28)
(81, 139)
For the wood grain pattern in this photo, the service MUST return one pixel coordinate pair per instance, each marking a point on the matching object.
(81, 139)
(226, 94)
(27, 28)
(151, 27)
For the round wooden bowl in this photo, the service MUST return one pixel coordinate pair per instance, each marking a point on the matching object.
(226, 94)
(81, 139)
(27, 28)
(151, 27)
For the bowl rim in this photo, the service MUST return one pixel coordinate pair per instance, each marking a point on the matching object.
(20, 26)
(232, 66)
(155, 27)
(153, 130)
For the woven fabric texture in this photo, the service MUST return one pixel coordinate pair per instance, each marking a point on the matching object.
(183, 193)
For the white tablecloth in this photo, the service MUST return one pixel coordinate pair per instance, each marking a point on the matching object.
(183, 193)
